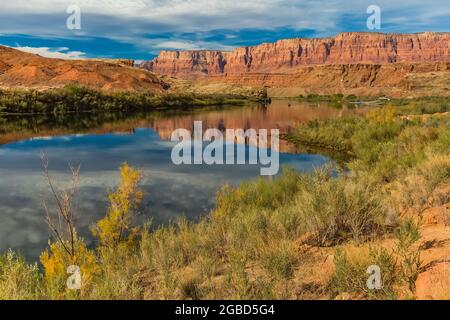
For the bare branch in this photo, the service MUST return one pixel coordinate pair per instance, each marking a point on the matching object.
(64, 231)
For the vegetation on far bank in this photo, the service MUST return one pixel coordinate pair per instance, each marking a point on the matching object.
(263, 239)
(338, 97)
(80, 99)
(404, 106)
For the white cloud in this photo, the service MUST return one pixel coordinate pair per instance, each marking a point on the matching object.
(59, 53)
(131, 20)
(181, 45)
(191, 45)
(237, 13)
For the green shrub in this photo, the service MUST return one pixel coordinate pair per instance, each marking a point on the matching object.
(442, 143)
(351, 275)
(279, 259)
(407, 235)
(424, 105)
(336, 210)
(190, 289)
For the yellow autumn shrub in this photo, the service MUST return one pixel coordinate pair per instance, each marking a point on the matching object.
(56, 261)
(117, 226)
(382, 115)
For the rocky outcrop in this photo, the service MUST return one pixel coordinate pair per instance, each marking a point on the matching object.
(433, 281)
(188, 64)
(120, 62)
(287, 56)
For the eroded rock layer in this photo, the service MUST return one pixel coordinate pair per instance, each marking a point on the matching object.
(287, 56)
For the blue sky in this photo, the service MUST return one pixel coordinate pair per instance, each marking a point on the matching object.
(139, 29)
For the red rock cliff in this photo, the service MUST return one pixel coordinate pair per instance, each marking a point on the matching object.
(284, 56)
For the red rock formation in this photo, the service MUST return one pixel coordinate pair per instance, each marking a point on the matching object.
(285, 56)
(120, 62)
(433, 281)
(21, 69)
(188, 62)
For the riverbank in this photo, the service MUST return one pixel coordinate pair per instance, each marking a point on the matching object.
(300, 236)
(422, 105)
(83, 99)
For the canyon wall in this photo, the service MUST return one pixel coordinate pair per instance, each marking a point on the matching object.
(286, 56)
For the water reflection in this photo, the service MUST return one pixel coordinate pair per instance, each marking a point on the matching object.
(102, 143)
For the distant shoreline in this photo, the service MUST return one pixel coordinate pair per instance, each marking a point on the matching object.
(82, 99)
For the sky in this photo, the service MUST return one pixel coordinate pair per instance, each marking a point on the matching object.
(139, 29)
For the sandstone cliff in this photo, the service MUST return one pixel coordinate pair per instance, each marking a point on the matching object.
(394, 80)
(287, 55)
(351, 63)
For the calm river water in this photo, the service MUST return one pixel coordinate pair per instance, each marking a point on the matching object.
(100, 143)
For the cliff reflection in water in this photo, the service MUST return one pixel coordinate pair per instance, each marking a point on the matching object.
(284, 115)
(281, 114)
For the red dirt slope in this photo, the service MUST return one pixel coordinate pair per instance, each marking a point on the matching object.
(20, 69)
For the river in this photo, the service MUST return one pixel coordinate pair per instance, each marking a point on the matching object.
(100, 143)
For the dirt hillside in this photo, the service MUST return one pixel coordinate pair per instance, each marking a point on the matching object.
(25, 70)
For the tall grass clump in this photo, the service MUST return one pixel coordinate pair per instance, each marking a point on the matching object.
(335, 210)
(18, 279)
(351, 274)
